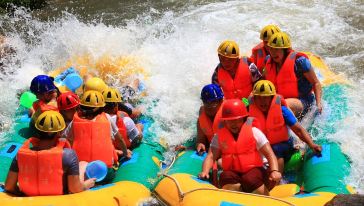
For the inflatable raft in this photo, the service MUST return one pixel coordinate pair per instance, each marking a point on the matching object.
(132, 185)
(313, 180)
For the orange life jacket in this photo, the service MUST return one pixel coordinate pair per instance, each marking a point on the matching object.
(41, 172)
(239, 87)
(92, 140)
(122, 129)
(241, 155)
(208, 127)
(258, 55)
(273, 126)
(285, 81)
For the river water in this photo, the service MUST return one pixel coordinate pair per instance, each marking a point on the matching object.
(176, 42)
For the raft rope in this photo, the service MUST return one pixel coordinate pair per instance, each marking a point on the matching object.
(182, 194)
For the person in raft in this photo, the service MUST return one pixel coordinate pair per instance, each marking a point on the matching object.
(49, 166)
(274, 117)
(234, 74)
(131, 133)
(260, 51)
(240, 146)
(97, 84)
(46, 92)
(292, 75)
(209, 116)
(68, 104)
(92, 132)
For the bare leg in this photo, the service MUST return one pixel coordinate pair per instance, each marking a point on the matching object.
(82, 165)
(234, 187)
(281, 165)
(295, 105)
(262, 190)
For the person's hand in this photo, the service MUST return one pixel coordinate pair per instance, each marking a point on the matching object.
(87, 184)
(200, 148)
(180, 148)
(316, 148)
(319, 107)
(204, 175)
(129, 154)
(275, 176)
(119, 152)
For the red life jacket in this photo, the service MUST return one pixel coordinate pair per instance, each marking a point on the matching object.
(258, 55)
(285, 81)
(208, 127)
(239, 87)
(122, 129)
(92, 140)
(273, 126)
(41, 172)
(241, 155)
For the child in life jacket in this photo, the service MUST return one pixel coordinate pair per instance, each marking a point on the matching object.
(240, 146)
(95, 83)
(92, 133)
(46, 92)
(131, 133)
(49, 166)
(271, 110)
(209, 116)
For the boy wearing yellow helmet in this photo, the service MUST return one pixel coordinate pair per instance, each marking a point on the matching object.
(51, 158)
(292, 74)
(234, 74)
(131, 133)
(92, 132)
(270, 109)
(260, 51)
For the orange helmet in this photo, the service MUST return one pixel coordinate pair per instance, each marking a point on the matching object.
(233, 109)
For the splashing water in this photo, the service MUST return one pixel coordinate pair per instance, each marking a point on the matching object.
(177, 48)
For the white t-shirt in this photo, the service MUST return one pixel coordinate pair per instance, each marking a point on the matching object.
(131, 129)
(260, 138)
(67, 133)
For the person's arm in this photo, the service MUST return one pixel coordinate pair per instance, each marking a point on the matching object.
(73, 168)
(214, 79)
(274, 174)
(201, 140)
(122, 146)
(213, 154)
(310, 75)
(75, 185)
(11, 183)
(304, 136)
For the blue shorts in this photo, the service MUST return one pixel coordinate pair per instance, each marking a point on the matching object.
(307, 102)
(283, 149)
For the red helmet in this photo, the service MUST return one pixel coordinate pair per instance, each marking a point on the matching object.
(67, 100)
(233, 109)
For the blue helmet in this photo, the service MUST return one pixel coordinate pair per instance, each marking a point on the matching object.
(41, 84)
(211, 92)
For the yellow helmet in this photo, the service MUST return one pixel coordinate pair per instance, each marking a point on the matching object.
(229, 49)
(279, 40)
(95, 83)
(264, 88)
(50, 121)
(92, 98)
(268, 31)
(112, 95)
